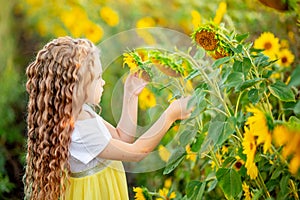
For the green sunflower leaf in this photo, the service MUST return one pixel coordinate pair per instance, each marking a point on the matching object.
(230, 182)
(253, 95)
(295, 80)
(220, 61)
(241, 37)
(175, 159)
(234, 80)
(195, 189)
(282, 91)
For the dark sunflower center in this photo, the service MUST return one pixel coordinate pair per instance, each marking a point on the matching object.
(238, 164)
(206, 40)
(268, 45)
(284, 59)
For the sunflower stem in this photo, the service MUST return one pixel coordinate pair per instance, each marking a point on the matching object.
(213, 85)
(294, 189)
(263, 185)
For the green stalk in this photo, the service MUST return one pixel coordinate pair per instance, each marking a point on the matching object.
(237, 103)
(294, 189)
(262, 184)
(216, 90)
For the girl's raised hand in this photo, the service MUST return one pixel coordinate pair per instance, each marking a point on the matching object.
(178, 109)
(134, 84)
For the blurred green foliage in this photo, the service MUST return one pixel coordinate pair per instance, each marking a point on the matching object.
(11, 106)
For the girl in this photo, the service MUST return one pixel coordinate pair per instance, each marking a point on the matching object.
(73, 153)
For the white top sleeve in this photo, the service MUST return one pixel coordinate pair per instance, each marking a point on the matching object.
(89, 138)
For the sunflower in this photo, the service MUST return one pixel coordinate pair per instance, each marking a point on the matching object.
(109, 15)
(258, 125)
(249, 145)
(252, 170)
(146, 99)
(238, 164)
(138, 193)
(129, 60)
(210, 37)
(285, 58)
(290, 140)
(220, 12)
(143, 33)
(281, 135)
(196, 18)
(164, 153)
(269, 43)
(206, 39)
(190, 155)
(165, 193)
(247, 194)
(168, 183)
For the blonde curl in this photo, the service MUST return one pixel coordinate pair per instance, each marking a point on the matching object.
(57, 84)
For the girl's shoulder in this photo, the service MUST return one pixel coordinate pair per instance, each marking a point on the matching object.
(86, 113)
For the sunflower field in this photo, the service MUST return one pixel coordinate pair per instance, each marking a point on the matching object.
(238, 60)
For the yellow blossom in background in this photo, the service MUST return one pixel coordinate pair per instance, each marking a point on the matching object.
(79, 25)
(190, 155)
(93, 32)
(189, 86)
(247, 193)
(146, 99)
(42, 28)
(295, 162)
(170, 96)
(59, 31)
(276, 75)
(238, 164)
(168, 183)
(138, 193)
(284, 44)
(290, 140)
(34, 6)
(281, 135)
(259, 127)
(37, 3)
(109, 15)
(220, 12)
(75, 20)
(196, 18)
(291, 35)
(269, 43)
(164, 193)
(218, 159)
(285, 58)
(146, 22)
(224, 149)
(164, 153)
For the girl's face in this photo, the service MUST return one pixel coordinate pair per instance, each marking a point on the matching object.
(96, 89)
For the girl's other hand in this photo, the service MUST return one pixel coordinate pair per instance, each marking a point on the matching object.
(134, 85)
(178, 109)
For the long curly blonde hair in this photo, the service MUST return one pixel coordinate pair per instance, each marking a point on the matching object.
(57, 83)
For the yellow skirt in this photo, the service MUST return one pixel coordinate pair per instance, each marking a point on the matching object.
(108, 184)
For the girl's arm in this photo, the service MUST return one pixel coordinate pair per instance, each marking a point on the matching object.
(120, 150)
(126, 128)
